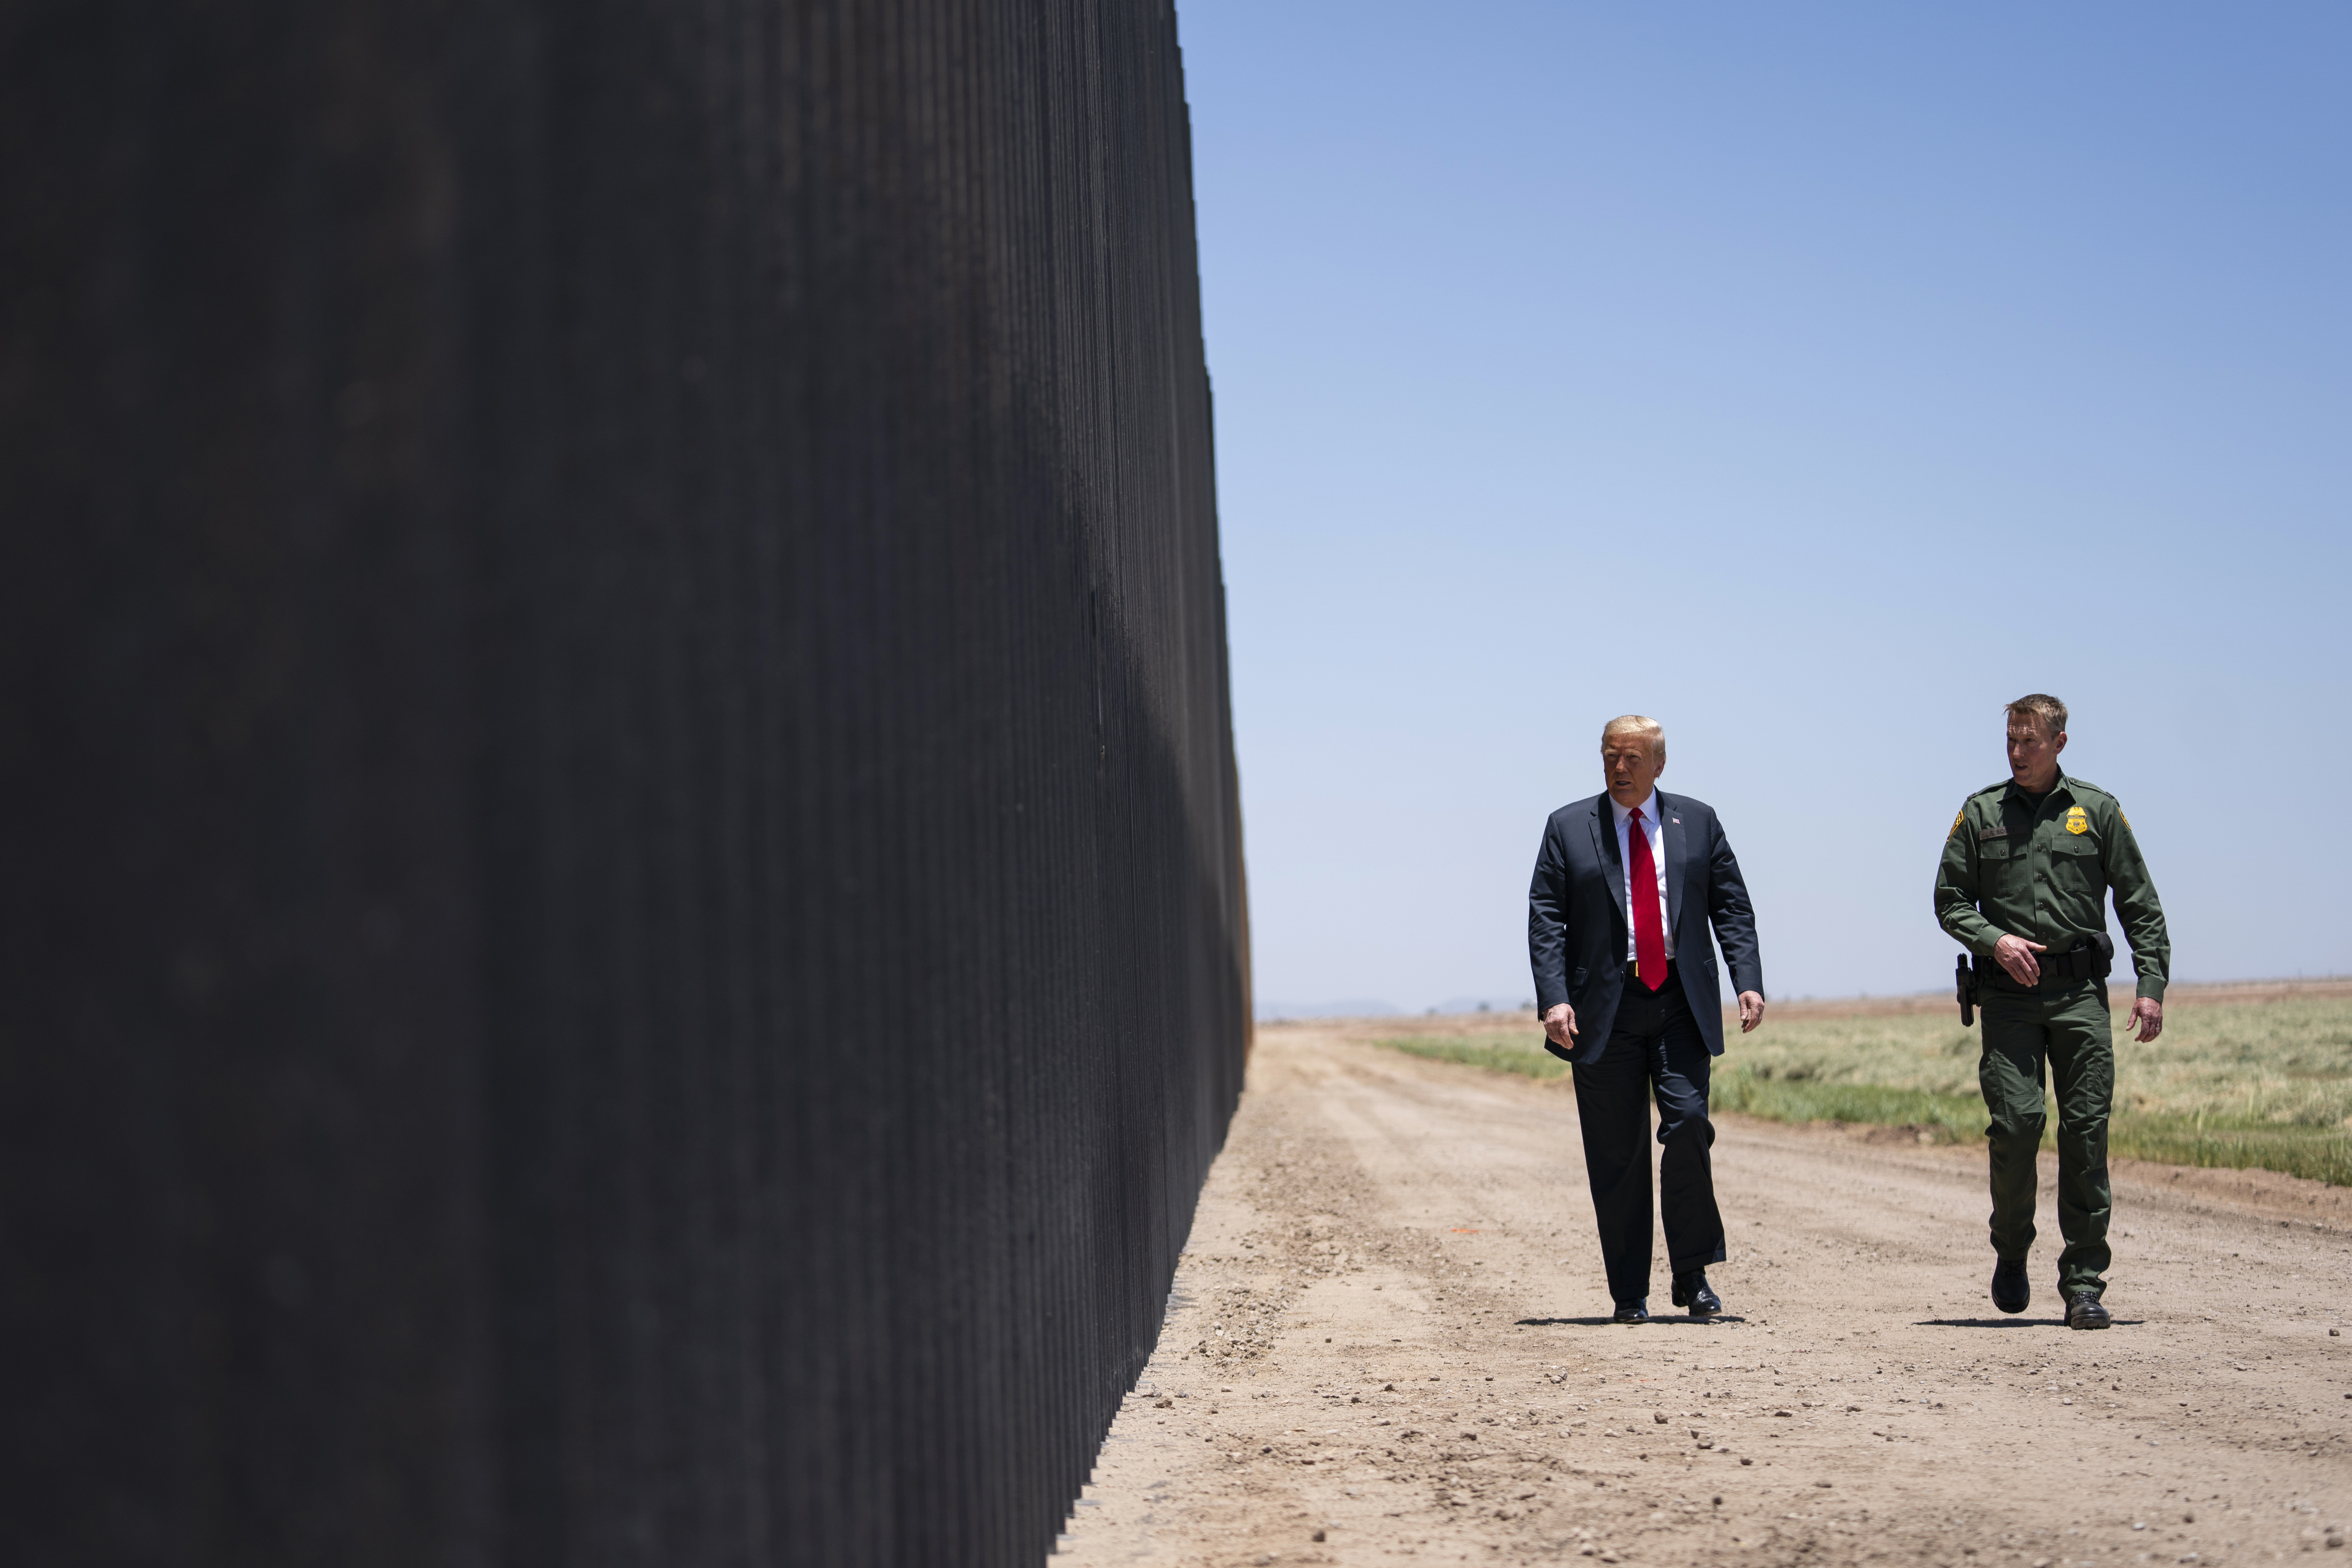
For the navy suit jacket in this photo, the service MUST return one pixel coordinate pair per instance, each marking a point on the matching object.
(1577, 920)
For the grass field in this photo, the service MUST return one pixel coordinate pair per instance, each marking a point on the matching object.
(2264, 1083)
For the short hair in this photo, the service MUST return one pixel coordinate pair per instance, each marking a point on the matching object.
(2043, 706)
(1635, 724)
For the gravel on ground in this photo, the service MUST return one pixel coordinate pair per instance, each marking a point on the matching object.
(1389, 1339)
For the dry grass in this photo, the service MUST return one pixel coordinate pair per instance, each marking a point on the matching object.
(1513, 1054)
(2241, 1076)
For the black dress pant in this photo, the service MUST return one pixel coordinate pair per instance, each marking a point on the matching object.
(1654, 1049)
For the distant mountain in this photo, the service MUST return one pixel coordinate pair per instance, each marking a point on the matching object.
(1349, 1009)
(1489, 1005)
(1360, 1009)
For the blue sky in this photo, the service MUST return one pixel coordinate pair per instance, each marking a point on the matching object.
(1813, 378)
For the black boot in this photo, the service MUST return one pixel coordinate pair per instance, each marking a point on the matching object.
(2083, 1312)
(2010, 1290)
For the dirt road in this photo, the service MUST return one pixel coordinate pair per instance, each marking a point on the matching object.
(1389, 1339)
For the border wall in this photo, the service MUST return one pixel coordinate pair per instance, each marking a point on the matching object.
(621, 923)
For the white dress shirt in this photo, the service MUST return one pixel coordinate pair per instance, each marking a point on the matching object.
(1655, 828)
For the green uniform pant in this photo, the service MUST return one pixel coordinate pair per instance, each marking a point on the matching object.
(2066, 1028)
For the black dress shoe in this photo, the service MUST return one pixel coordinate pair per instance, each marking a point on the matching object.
(1634, 1311)
(2011, 1292)
(1691, 1290)
(2083, 1312)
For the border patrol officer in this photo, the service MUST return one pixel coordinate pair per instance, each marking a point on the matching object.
(2026, 868)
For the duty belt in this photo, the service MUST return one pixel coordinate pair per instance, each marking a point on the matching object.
(2093, 959)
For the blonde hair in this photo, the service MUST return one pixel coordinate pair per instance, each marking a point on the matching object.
(1635, 724)
(2043, 706)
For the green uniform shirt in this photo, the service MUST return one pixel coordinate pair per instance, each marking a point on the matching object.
(2042, 872)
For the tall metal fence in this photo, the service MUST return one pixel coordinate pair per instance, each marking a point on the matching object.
(621, 924)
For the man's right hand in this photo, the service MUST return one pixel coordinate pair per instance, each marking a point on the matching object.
(2015, 954)
(1559, 1025)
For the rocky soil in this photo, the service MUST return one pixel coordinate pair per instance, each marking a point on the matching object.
(1389, 1339)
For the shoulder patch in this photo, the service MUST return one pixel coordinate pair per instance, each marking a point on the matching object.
(1955, 820)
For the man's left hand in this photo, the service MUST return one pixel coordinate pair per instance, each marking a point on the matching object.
(1751, 1011)
(2146, 1020)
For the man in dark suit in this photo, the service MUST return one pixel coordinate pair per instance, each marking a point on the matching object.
(1627, 885)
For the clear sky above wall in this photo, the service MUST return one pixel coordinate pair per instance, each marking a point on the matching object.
(1815, 379)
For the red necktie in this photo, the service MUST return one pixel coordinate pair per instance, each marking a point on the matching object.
(1649, 929)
